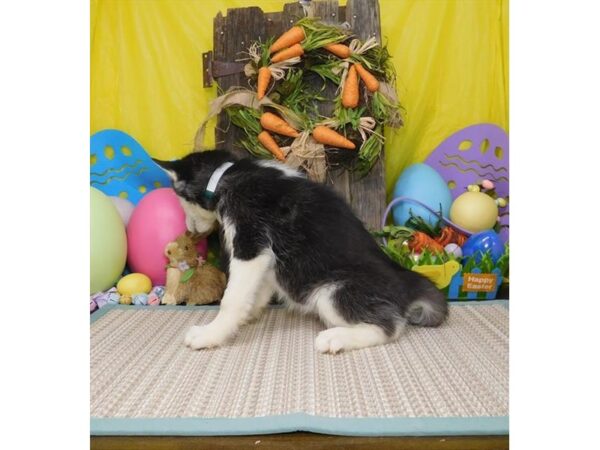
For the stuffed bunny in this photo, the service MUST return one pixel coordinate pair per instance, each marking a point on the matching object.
(189, 278)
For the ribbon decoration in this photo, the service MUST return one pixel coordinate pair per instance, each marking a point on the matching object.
(277, 69)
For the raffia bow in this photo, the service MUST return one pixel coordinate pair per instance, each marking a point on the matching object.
(278, 70)
(356, 48)
(242, 97)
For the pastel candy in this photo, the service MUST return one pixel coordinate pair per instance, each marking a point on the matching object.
(140, 299)
(153, 299)
(159, 291)
(114, 297)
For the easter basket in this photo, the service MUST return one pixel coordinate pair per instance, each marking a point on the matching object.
(476, 277)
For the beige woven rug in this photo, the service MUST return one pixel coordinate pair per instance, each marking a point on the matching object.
(140, 369)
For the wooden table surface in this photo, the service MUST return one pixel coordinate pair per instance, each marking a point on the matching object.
(305, 441)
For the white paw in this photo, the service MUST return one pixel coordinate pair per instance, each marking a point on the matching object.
(199, 337)
(331, 340)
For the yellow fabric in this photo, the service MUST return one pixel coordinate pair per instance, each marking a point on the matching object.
(451, 57)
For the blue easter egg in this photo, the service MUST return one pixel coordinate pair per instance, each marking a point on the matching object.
(422, 183)
(483, 242)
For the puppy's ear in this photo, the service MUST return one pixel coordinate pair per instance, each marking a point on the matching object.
(170, 167)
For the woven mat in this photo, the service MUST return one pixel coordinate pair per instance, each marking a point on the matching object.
(447, 380)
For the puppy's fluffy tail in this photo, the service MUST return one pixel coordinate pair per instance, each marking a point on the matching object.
(429, 310)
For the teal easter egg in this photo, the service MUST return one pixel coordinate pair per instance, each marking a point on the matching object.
(422, 183)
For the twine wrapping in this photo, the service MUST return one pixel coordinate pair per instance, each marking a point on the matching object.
(277, 69)
(308, 154)
(356, 48)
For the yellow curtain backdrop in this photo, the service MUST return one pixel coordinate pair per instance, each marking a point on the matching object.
(451, 58)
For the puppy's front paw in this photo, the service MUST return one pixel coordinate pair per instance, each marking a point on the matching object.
(199, 337)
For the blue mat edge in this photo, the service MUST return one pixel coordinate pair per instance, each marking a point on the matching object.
(392, 426)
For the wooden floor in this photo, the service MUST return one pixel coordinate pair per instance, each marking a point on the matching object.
(304, 441)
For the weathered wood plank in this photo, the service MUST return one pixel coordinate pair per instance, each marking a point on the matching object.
(233, 34)
(273, 25)
(367, 195)
(328, 12)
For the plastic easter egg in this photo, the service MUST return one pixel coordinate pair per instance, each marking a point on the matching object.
(484, 242)
(134, 283)
(156, 220)
(108, 242)
(453, 249)
(474, 211)
(422, 183)
(124, 207)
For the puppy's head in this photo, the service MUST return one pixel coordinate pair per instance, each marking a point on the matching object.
(190, 176)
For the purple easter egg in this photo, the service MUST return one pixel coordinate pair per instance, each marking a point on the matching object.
(471, 155)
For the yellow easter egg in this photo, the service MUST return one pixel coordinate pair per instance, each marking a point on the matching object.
(474, 211)
(134, 283)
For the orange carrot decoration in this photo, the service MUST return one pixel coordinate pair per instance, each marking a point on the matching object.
(276, 124)
(264, 76)
(367, 77)
(340, 50)
(287, 53)
(292, 36)
(350, 90)
(419, 241)
(327, 136)
(269, 143)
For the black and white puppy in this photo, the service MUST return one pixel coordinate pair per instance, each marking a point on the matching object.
(287, 236)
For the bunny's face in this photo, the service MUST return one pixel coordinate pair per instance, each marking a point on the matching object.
(183, 249)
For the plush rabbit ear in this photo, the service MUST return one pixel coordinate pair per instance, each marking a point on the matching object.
(196, 237)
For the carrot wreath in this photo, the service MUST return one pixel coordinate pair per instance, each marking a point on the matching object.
(279, 68)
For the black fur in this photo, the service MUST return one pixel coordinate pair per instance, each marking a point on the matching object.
(315, 237)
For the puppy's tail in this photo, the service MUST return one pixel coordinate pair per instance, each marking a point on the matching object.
(429, 310)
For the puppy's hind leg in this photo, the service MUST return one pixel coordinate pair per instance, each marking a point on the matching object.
(358, 334)
(334, 340)
(237, 304)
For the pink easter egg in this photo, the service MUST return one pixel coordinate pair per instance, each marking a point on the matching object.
(156, 220)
